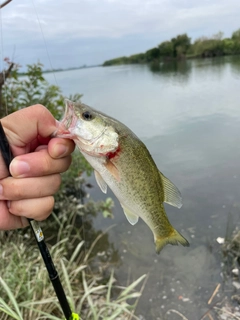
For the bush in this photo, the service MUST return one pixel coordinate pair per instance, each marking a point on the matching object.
(23, 90)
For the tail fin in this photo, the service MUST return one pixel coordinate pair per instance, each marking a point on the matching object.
(173, 239)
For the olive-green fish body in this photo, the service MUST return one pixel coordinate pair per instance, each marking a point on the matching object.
(122, 162)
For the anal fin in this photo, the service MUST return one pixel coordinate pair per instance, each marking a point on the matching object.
(131, 217)
(101, 183)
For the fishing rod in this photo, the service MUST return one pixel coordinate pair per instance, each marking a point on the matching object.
(38, 234)
(35, 227)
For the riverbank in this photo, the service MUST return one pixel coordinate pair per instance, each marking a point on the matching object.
(181, 47)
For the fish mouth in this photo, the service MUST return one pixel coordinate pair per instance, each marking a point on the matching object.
(69, 119)
(67, 126)
(68, 122)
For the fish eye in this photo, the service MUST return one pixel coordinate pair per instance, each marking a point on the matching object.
(87, 116)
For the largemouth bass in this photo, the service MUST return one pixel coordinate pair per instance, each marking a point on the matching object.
(122, 162)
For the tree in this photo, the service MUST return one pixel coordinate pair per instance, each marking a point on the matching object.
(228, 46)
(136, 58)
(181, 44)
(236, 41)
(152, 54)
(166, 49)
(236, 35)
(218, 36)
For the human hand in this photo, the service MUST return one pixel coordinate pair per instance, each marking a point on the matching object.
(35, 169)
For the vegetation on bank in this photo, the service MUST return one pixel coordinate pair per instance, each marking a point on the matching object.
(92, 290)
(181, 47)
(19, 92)
(25, 289)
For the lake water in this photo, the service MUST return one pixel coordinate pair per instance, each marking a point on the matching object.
(188, 115)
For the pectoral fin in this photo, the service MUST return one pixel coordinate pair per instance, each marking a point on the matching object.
(171, 193)
(113, 170)
(101, 183)
(131, 217)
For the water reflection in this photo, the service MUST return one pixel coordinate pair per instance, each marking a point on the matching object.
(175, 70)
(188, 115)
(201, 157)
(235, 65)
(175, 67)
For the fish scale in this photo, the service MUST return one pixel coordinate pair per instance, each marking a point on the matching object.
(123, 163)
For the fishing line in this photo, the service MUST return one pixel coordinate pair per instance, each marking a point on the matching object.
(52, 70)
(36, 229)
(45, 43)
(58, 287)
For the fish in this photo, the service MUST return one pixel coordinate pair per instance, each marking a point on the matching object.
(122, 162)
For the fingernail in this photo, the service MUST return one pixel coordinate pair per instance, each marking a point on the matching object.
(19, 168)
(60, 150)
(1, 189)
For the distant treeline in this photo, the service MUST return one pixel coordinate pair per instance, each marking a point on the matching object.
(182, 48)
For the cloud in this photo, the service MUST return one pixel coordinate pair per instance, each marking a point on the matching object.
(94, 29)
(115, 18)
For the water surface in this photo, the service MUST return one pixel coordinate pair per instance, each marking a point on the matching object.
(188, 115)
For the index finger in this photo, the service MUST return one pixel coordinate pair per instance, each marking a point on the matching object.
(24, 126)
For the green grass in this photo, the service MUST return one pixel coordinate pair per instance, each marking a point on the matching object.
(26, 291)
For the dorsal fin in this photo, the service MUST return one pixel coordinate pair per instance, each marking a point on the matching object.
(172, 195)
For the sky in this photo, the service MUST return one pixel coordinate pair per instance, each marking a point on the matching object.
(72, 33)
